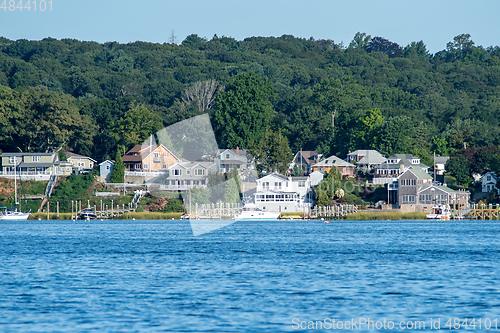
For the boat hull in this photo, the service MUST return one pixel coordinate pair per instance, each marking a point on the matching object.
(257, 216)
(14, 217)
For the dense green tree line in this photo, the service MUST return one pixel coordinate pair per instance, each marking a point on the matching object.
(92, 98)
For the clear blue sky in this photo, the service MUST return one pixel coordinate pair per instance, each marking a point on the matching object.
(435, 22)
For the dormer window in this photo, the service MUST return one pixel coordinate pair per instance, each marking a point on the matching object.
(415, 161)
(36, 158)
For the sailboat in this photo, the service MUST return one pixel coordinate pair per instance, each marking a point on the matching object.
(12, 214)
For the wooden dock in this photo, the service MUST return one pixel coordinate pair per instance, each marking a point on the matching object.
(484, 212)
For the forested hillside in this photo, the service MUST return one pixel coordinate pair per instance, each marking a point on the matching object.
(315, 94)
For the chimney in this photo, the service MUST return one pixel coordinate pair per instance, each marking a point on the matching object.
(237, 150)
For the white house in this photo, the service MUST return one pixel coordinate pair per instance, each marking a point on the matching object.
(489, 182)
(278, 193)
(185, 175)
(440, 162)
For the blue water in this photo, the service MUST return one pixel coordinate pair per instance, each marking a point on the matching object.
(155, 276)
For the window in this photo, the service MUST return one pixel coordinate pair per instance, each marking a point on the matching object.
(199, 172)
(107, 167)
(163, 166)
(188, 171)
(36, 158)
(265, 185)
(488, 178)
(227, 156)
(138, 166)
(277, 185)
(12, 159)
(156, 155)
(91, 165)
(177, 172)
(302, 183)
(146, 166)
(81, 164)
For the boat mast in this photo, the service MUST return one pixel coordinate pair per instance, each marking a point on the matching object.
(434, 172)
(15, 181)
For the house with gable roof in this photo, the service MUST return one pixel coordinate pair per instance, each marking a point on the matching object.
(389, 171)
(279, 193)
(489, 182)
(148, 158)
(305, 159)
(185, 175)
(36, 166)
(227, 159)
(345, 168)
(80, 162)
(416, 192)
(366, 159)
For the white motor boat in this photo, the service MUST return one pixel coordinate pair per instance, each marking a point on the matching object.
(439, 212)
(251, 212)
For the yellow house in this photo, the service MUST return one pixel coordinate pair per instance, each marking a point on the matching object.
(80, 162)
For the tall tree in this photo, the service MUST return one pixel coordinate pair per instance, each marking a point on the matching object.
(458, 167)
(202, 94)
(273, 153)
(118, 173)
(137, 125)
(243, 111)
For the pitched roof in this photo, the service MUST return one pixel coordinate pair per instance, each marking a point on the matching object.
(76, 156)
(372, 157)
(439, 187)
(277, 175)
(421, 174)
(404, 159)
(139, 152)
(442, 159)
(309, 156)
(333, 161)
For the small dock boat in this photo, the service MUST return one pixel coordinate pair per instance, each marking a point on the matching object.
(439, 212)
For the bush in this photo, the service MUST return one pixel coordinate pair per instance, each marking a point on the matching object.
(174, 205)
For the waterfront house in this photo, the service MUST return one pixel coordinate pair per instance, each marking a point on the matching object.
(149, 158)
(185, 175)
(36, 166)
(105, 170)
(279, 193)
(79, 162)
(489, 182)
(366, 159)
(416, 192)
(395, 165)
(228, 159)
(408, 185)
(431, 195)
(305, 159)
(345, 168)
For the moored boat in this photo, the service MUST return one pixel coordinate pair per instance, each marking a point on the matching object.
(252, 212)
(12, 214)
(439, 212)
